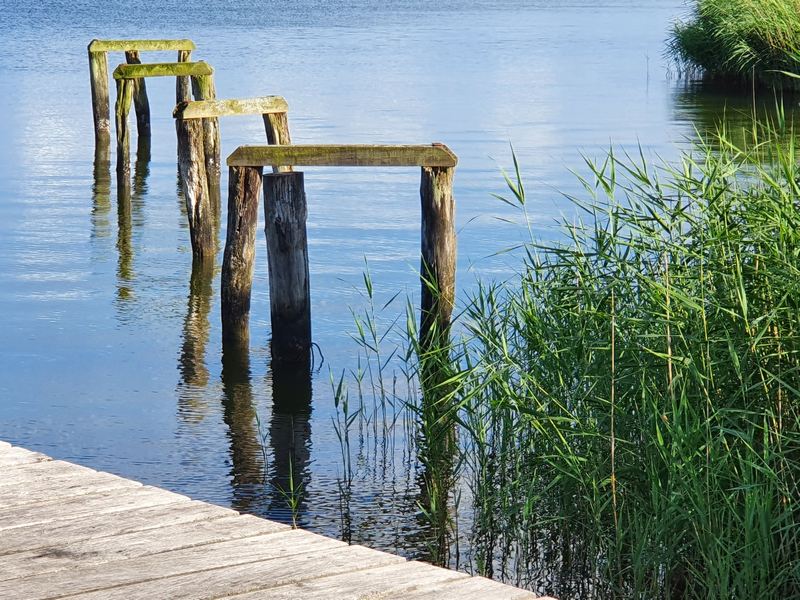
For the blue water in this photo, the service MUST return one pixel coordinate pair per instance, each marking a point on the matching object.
(108, 359)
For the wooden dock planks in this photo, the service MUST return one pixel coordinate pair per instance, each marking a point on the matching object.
(66, 530)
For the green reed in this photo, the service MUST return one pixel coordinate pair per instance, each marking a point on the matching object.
(629, 403)
(739, 40)
(622, 414)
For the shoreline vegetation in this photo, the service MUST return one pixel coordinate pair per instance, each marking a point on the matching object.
(740, 42)
(620, 418)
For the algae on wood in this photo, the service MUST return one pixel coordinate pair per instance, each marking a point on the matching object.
(225, 108)
(344, 155)
(176, 69)
(141, 45)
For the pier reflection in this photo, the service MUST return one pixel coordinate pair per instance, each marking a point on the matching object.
(193, 402)
(130, 211)
(101, 191)
(290, 439)
(125, 273)
(239, 413)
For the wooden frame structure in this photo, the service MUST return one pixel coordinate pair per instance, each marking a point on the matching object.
(287, 248)
(192, 147)
(202, 85)
(98, 75)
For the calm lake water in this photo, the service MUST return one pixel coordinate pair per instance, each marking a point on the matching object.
(109, 358)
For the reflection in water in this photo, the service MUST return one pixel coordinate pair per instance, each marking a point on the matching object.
(192, 358)
(125, 274)
(130, 212)
(707, 107)
(141, 170)
(246, 450)
(180, 196)
(101, 191)
(290, 439)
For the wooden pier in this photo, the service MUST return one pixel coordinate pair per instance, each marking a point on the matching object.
(70, 531)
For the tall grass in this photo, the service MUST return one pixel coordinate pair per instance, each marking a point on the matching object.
(630, 403)
(740, 40)
(620, 419)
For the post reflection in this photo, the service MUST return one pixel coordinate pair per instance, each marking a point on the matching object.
(194, 376)
(125, 273)
(101, 191)
(239, 414)
(130, 209)
(141, 170)
(290, 439)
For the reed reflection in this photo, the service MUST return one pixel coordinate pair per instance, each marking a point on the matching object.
(239, 413)
(290, 439)
(708, 108)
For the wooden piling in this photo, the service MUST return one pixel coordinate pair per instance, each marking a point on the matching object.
(287, 255)
(244, 188)
(98, 77)
(194, 182)
(183, 87)
(438, 263)
(277, 127)
(203, 89)
(98, 73)
(121, 110)
(140, 102)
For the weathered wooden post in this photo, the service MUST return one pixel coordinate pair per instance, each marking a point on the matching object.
(277, 126)
(183, 87)
(438, 262)
(98, 78)
(203, 89)
(244, 188)
(140, 102)
(98, 74)
(191, 149)
(437, 276)
(285, 215)
(192, 168)
(285, 212)
(121, 110)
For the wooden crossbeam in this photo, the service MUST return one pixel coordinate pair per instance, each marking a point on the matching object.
(177, 69)
(344, 155)
(141, 45)
(224, 108)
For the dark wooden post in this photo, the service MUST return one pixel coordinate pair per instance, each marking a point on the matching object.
(121, 110)
(287, 254)
(194, 182)
(98, 77)
(183, 89)
(277, 126)
(140, 101)
(244, 188)
(438, 264)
